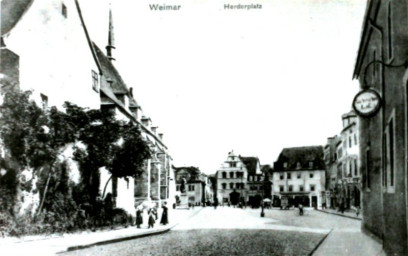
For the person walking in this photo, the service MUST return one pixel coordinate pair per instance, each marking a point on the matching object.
(164, 218)
(151, 220)
(139, 216)
(300, 209)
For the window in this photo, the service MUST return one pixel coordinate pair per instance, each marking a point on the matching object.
(299, 175)
(231, 175)
(191, 187)
(389, 176)
(114, 186)
(224, 175)
(355, 167)
(301, 188)
(95, 81)
(44, 100)
(281, 188)
(285, 165)
(290, 188)
(289, 175)
(298, 165)
(178, 188)
(233, 164)
(310, 164)
(224, 186)
(311, 175)
(64, 11)
(312, 187)
(231, 185)
(367, 168)
(389, 30)
(355, 139)
(350, 144)
(281, 176)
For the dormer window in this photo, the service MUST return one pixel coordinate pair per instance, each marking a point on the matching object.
(298, 166)
(310, 164)
(285, 165)
(95, 81)
(64, 10)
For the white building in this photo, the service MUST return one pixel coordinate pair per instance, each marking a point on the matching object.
(240, 179)
(299, 176)
(45, 49)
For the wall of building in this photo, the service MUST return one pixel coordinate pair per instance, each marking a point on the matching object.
(57, 61)
(384, 205)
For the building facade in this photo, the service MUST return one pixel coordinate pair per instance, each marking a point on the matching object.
(194, 185)
(240, 179)
(381, 66)
(299, 176)
(62, 63)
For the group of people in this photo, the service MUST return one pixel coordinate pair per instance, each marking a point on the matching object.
(152, 216)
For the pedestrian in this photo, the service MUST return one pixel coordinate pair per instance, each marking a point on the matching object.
(164, 218)
(151, 218)
(155, 212)
(300, 209)
(215, 203)
(358, 211)
(139, 216)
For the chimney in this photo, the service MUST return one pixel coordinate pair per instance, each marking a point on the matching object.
(154, 129)
(131, 91)
(146, 121)
(111, 38)
(161, 136)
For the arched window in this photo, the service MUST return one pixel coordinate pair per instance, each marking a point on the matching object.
(231, 175)
(224, 175)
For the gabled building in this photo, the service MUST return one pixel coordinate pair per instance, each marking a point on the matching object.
(381, 67)
(333, 179)
(240, 179)
(299, 176)
(193, 184)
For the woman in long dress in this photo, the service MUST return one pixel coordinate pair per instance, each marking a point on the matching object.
(151, 220)
(164, 218)
(139, 217)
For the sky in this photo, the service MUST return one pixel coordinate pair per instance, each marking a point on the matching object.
(252, 81)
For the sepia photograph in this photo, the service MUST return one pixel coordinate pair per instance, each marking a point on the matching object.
(204, 127)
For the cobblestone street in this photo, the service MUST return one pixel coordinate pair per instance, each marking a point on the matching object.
(233, 231)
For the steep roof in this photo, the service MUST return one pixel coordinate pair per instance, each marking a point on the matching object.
(11, 13)
(110, 72)
(250, 164)
(301, 155)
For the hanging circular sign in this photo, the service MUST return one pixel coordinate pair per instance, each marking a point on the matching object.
(367, 103)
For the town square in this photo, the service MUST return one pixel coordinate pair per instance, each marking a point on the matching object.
(213, 127)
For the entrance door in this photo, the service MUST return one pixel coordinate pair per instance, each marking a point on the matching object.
(314, 202)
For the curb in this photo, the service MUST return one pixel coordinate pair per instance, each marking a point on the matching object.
(320, 243)
(125, 238)
(338, 214)
(109, 241)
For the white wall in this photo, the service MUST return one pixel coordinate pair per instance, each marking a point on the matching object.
(55, 58)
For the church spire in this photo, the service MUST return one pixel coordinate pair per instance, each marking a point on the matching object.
(111, 38)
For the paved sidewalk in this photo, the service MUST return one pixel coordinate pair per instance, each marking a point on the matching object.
(349, 214)
(51, 245)
(349, 242)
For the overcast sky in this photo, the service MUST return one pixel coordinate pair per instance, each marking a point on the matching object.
(216, 80)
